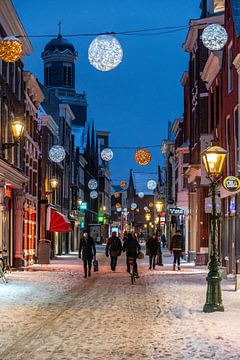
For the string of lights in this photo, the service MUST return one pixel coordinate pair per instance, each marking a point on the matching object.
(138, 32)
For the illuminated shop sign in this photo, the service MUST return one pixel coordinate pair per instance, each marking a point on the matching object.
(176, 211)
(231, 183)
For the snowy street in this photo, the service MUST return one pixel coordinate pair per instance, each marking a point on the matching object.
(57, 314)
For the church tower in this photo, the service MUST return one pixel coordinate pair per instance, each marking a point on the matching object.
(59, 58)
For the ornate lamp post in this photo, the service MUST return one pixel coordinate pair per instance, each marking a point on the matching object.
(159, 207)
(213, 159)
(148, 218)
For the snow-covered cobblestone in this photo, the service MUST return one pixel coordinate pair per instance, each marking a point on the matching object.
(56, 314)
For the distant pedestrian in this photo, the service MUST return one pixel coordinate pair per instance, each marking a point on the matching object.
(159, 253)
(132, 248)
(87, 251)
(163, 240)
(176, 247)
(114, 246)
(152, 247)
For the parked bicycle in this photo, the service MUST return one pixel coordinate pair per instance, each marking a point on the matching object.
(4, 265)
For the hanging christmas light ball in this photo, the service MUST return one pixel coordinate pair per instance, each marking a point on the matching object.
(116, 195)
(11, 49)
(133, 206)
(93, 194)
(123, 184)
(125, 209)
(151, 184)
(214, 37)
(119, 209)
(118, 205)
(150, 204)
(105, 53)
(107, 154)
(57, 153)
(142, 156)
(145, 208)
(141, 194)
(92, 184)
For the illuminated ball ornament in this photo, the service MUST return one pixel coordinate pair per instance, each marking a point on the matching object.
(11, 49)
(107, 154)
(119, 209)
(150, 204)
(105, 53)
(118, 205)
(92, 184)
(123, 184)
(142, 157)
(151, 185)
(133, 206)
(116, 195)
(141, 194)
(93, 194)
(57, 153)
(214, 37)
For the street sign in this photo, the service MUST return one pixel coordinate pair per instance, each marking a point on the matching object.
(176, 211)
(83, 205)
(231, 183)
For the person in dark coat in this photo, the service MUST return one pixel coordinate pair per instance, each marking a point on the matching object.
(132, 248)
(176, 247)
(163, 240)
(114, 246)
(87, 251)
(152, 247)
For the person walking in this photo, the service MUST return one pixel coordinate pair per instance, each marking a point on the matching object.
(163, 240)
(132, 248)
(87, 251)
(176, 247)
(114, 246)
(152, 247)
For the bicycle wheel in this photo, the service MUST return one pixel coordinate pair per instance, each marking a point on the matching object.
(2, 275)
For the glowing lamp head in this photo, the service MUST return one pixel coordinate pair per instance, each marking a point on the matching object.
(213, 160)
(79, 201)
(17, 129)
(54, 183)
(148, 216)
(159, 206)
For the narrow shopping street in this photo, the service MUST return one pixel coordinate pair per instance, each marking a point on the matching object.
(54, 313)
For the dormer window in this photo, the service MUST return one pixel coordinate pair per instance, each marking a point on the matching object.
(67, 74)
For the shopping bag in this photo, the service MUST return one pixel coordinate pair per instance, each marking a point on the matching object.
(95, 265)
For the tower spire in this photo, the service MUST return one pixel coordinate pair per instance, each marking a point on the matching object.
(59, 29)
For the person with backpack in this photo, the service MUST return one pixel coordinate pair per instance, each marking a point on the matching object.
(176, 247)
(114, 247)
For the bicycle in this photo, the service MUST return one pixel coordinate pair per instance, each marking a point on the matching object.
(133, 274)
(4, 265)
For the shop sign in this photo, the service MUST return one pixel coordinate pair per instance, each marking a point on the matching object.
(231, 183)
(83, 206)
(176, 211)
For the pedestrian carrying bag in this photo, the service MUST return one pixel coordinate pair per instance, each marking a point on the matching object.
(95, 265)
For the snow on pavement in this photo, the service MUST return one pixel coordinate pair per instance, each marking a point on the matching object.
(56, 314)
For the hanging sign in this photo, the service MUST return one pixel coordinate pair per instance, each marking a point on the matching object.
(83, 206)
(176, 211)
(231, 183)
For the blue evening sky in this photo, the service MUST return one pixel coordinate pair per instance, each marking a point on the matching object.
(136, 100)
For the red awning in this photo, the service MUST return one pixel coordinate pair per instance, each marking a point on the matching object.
(58, 222)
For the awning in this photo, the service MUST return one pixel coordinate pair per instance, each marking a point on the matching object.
(57, 222)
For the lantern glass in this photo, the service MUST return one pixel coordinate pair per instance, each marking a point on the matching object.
(213, 160)
(159, 206)
(148, 216)
(17, 129)
(54, 183)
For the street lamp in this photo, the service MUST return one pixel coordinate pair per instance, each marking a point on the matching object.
(54, 183)
(17, 127)
(159, 207)
(213, 160)
(148, 218)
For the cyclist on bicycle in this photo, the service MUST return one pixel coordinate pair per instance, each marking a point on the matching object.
(132, 248)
